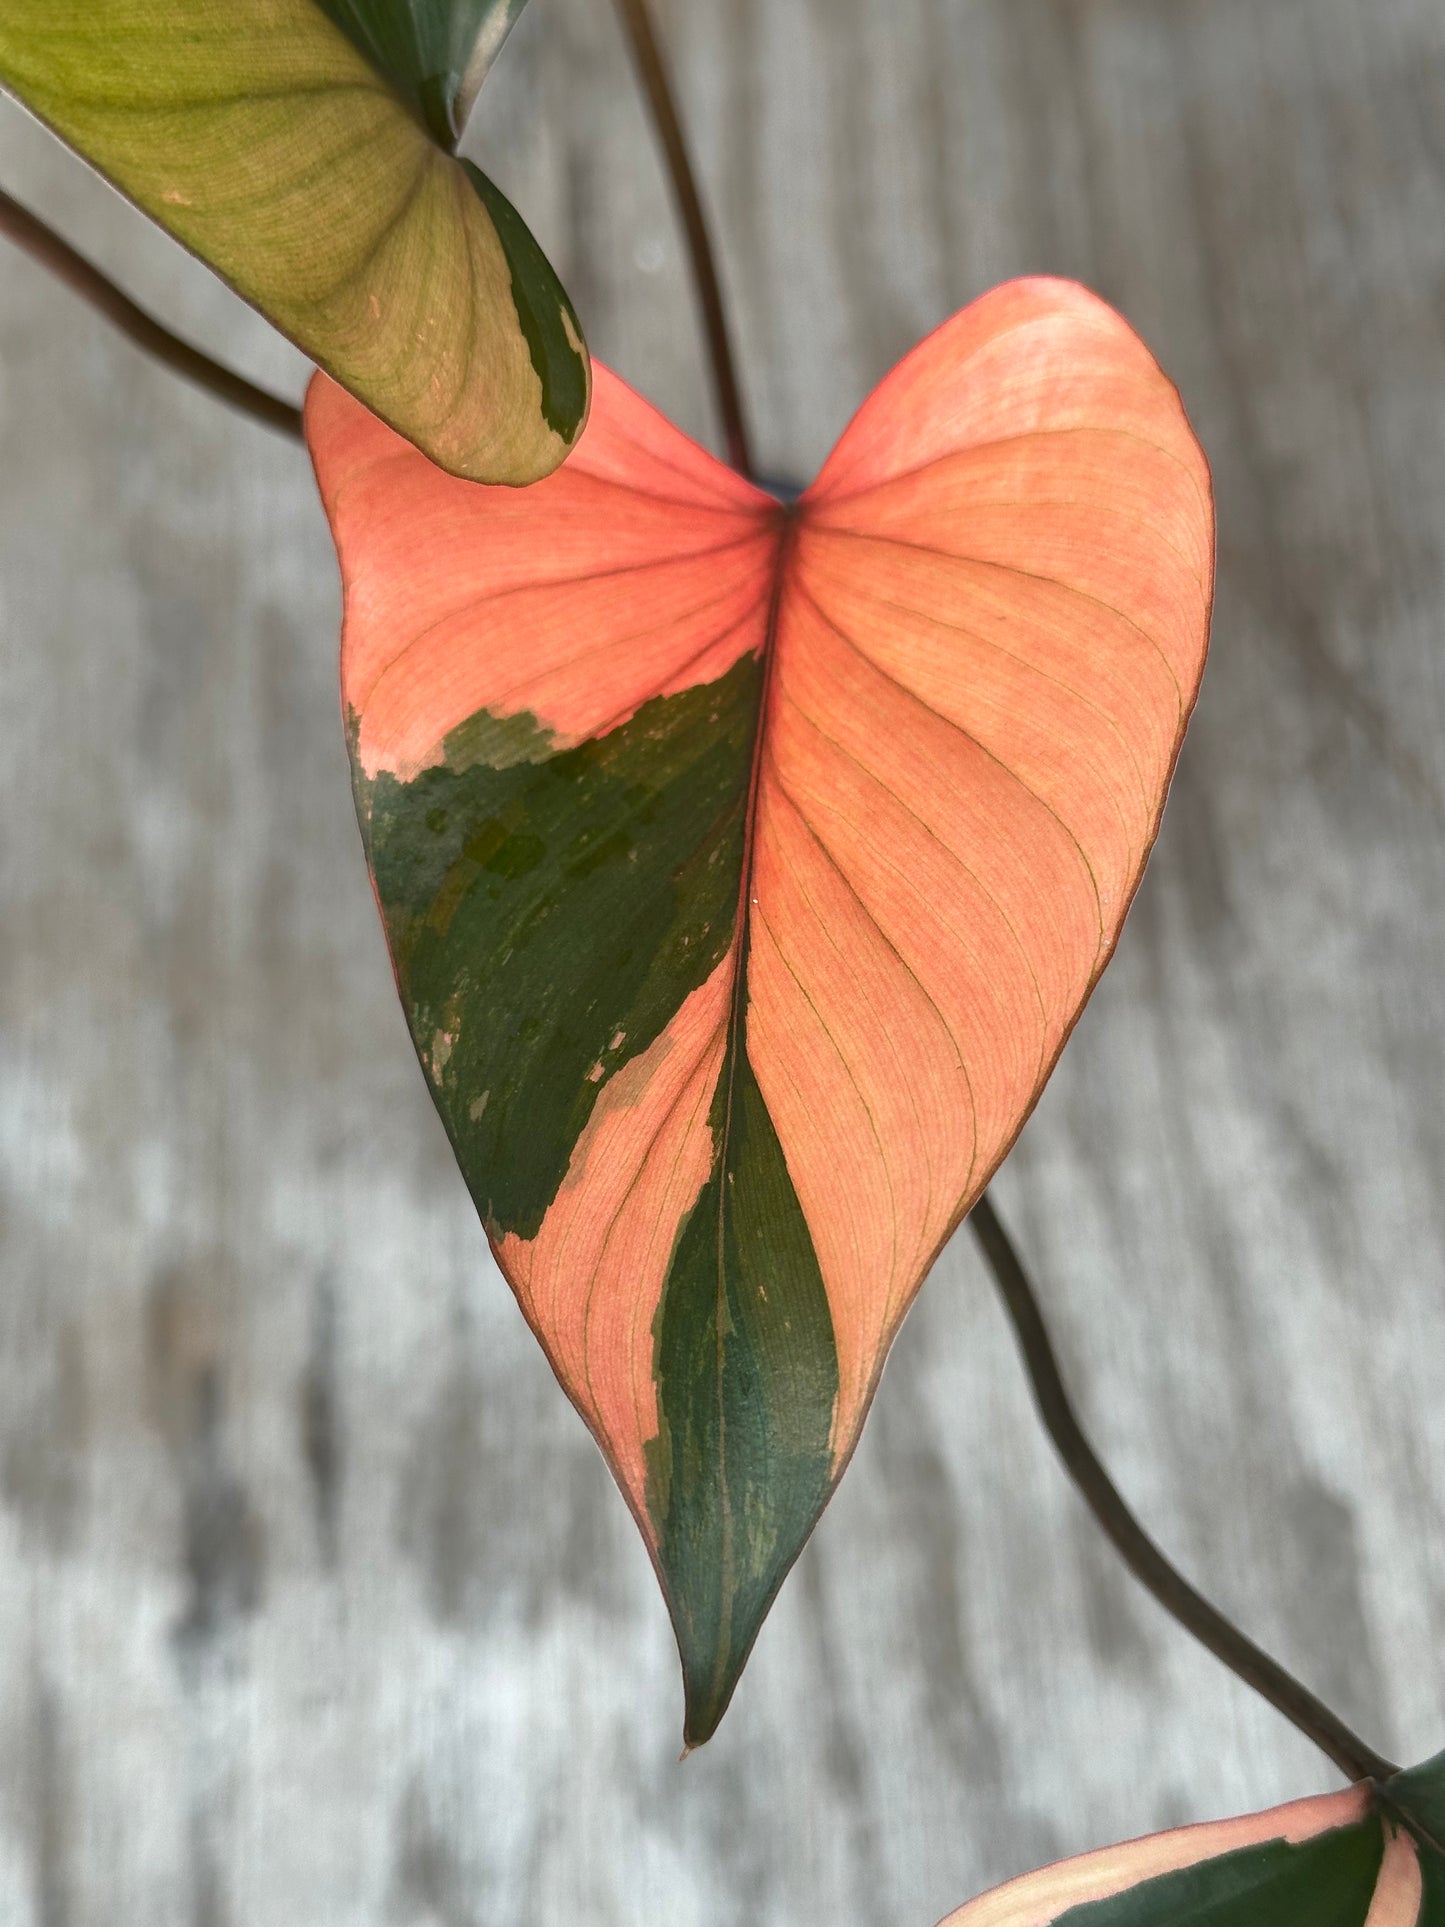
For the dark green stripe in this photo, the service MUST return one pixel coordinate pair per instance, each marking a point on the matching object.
(1432, 1899)
(551, 915)
(541, 302)
(747, 1371)
(1325, 1882)
(548, 914)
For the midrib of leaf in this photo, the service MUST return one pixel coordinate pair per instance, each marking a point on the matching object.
(737, 1041)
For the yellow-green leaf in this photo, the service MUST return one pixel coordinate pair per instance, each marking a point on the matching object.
(262, 138)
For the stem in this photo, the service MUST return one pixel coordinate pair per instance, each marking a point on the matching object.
(1173, 1591)
(657, 85)
(31, 234)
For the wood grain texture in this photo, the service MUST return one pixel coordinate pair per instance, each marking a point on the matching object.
(315, 1601)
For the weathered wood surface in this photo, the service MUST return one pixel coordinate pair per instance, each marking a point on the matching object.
(316, 1604)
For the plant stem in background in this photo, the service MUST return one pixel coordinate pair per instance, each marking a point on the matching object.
(1139, 1552)
(1144, 1559)
(652, 70)
(32, 235)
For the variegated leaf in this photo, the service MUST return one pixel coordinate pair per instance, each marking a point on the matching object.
(257, 133)
(1367, 1857)
(745, 869)
(436, 52)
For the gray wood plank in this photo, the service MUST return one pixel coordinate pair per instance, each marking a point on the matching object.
(316, 1603)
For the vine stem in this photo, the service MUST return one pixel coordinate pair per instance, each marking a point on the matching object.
(1082, 1463)
(31, 234)
(662, 101)
(1144, 1559)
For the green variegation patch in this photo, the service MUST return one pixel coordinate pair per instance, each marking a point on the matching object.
(748, 1382)
(1328, 1882)
(261, 138)
(583, 891)
(545, 315)
(1370, 1857)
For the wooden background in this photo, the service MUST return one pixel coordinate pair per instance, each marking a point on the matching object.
(317, 1608)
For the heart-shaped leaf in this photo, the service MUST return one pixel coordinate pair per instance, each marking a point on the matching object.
(436, 53)
(1368, 1857)
(745, 869)
(258, 134)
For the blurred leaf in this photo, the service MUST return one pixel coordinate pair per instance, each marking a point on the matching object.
(258, 135)
(436, 53)
(1363, 1858)
(744, 870)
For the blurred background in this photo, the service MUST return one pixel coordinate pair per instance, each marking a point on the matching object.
(316, 1602)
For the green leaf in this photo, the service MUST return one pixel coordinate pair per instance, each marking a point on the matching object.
(261, 138)
(436, 53)
(1368, 1857)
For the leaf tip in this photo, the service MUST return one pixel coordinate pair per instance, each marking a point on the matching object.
(716, 1643)
(707, 1699)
